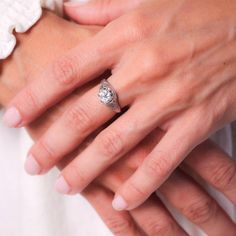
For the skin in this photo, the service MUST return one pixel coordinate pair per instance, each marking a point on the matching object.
(152, 216)
(162, 54)
(18, 71)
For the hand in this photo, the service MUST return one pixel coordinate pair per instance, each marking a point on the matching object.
(207, 162)
(16, 72)
(181, 190)
(152, 216)
(162, 54)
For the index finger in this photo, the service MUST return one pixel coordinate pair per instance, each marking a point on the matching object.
(78, 66)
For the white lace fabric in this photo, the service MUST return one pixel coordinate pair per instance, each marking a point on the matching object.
(20, 15)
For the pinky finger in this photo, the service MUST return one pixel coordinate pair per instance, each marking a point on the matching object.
(159, 164)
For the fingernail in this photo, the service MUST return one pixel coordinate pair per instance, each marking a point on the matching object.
(75, 3)
(32, 167)
(12, 117)
(119, 203)
(62, 186)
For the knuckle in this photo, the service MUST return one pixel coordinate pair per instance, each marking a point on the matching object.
(119, 226)
(64, 70)
(140, 193)
(110, 144)
(223, 176)
(219, 112)
(201, 210)
(151, 62)
(135, 28)
(78, 118)
(30, 98)
(158, 166)
(44, 149)
(76, 178)
(156, 227)
(154, 64)
(180, 94)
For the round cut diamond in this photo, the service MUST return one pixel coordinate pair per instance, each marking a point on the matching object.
(106, 95)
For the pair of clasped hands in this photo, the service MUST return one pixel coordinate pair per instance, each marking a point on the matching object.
(173, 66)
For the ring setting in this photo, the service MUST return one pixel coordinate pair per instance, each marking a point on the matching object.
(108, 96)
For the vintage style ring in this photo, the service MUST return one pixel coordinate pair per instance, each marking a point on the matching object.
(108, 96)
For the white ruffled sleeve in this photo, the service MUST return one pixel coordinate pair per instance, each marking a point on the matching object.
(20, 15)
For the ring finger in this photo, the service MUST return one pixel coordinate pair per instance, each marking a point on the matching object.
(81, 119)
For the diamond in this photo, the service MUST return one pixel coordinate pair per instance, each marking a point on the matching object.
(106, 95)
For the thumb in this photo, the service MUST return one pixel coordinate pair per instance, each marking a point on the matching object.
(98, 12)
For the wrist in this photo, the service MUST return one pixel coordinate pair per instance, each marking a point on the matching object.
(28, 57)
(37, 48)
(12, 77)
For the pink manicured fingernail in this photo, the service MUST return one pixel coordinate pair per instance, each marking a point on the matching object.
(62, 186)
(12, 117)
(76, 3)
(32, 167)
(119, 203)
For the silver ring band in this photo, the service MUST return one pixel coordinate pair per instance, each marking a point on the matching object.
(108, 96)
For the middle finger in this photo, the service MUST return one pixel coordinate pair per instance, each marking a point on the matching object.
(82, 118)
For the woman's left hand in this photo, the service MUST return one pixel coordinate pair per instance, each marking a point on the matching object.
(173, 64)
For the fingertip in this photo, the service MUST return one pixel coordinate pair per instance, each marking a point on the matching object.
(12, 117)
(61, 186)
(32, 167)
(119, 203)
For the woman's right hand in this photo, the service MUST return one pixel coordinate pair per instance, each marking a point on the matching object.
(181, 190)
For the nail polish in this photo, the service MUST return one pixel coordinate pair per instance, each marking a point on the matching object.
(12, 117)
(32, 167)
(119, 203)
(62, 186)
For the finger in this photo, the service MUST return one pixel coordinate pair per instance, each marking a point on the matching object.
(98, 12)
(59, 79)
(194, 203)
(111, 144)
(160, 163)
(152, 216)
(154, 219)
(114, 177)
(84, 116)
(119, 223)
(213, 165)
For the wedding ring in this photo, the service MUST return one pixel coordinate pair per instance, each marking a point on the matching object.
(108, 96)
